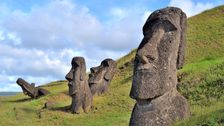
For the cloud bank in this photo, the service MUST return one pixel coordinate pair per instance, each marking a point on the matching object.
(38, 44)
(192, 8)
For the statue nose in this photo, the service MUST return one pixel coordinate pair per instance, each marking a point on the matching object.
(69, 76)
(143, 59)
(146, 62)
(146, 59)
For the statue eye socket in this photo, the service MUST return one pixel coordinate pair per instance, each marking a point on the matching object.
(151, 58)
(92, 70)
(74, 64)
(105, 63)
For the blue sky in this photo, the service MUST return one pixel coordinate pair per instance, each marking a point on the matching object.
(38, 38)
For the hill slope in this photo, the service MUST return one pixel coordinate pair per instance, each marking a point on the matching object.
(201, 82)
(205, 35)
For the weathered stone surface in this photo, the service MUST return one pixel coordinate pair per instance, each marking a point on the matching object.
(78, 86)
(161, 111)
(158, 57)
(101, 76)
(30, 89)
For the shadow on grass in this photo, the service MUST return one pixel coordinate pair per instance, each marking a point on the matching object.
(56, 83)
(22, 100)
(62, 109)
(28, 110)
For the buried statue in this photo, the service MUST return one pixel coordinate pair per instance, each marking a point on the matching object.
(78, 86)
(30, 89)
(158, 57)
(101, 76)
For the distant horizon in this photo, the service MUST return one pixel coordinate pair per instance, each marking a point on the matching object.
(9, 93)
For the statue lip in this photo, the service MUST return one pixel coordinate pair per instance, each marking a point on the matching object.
(144, 105)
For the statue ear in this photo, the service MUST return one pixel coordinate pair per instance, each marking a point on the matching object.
(110, 73)
(181, 50)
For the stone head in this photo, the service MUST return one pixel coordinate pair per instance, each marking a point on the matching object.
(160, 53)
(104, 72)
(76, 75)
(28, 89)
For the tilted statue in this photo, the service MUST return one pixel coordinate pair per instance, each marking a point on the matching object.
(30, 89)
(158, 57)
(78, 86)
(101, 76)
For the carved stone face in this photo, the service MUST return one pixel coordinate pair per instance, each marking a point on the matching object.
(27, 88)
(101, 76)
(30, 89)
(157, 58)
(104, 71)
(76, 75)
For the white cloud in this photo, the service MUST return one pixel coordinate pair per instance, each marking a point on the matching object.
(190, 7)
(10, 87)
(119, 13)
(8, 83)
(145, 16)
(34, 62)
(38, 44)
(55, 25)
(65, 24)
(2, 37)
(14, 38)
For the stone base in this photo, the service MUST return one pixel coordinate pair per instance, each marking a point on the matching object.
(161, 111)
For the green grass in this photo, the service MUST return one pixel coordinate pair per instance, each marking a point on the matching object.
(201, 81)
(205, 33)
(113, 108)
(205, 116)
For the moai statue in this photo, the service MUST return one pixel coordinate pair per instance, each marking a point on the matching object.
(158, 57)
(78, 86)
(101, 76)
(30, 89)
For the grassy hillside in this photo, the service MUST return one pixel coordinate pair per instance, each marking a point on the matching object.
(205, 35)
(201, 81)
(112, 109)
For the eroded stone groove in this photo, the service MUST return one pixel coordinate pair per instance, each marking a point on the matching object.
(158, 57)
